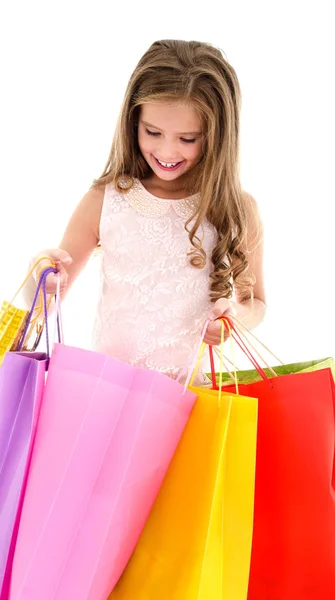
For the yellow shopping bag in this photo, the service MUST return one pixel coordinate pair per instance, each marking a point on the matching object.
(197, 542)
(13, 319)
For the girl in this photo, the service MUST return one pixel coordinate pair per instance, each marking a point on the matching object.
(178, 236)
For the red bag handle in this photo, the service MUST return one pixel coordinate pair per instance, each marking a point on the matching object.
(241, 343)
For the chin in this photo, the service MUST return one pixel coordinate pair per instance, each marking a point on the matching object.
(169, 176)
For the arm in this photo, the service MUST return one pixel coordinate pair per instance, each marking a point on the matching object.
(251, 311)
(79, 240)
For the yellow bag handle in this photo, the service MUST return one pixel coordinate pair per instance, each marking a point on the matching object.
(224, 323)
(50, 263)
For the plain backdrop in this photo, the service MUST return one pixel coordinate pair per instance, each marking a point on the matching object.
(64, 68)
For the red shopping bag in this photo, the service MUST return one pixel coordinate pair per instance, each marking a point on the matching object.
(293, 551)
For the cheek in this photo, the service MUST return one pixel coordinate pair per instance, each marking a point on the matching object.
(193, 152)
(145, 143)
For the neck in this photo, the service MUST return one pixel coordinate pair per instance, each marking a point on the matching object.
(177, 188)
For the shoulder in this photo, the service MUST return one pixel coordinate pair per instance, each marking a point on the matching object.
(88, 212)
(92, 202)
(95, 196)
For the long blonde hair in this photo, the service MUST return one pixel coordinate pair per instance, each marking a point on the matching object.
(198, 73)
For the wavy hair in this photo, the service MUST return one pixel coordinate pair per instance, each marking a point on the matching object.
(198, 73)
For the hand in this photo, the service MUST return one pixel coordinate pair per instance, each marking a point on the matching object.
(222, 307)
(60, 258)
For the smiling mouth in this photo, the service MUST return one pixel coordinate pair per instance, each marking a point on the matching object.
(168, 166)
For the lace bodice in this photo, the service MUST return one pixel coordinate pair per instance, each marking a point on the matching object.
(153, 303)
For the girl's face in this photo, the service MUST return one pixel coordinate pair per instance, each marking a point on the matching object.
(170, 138)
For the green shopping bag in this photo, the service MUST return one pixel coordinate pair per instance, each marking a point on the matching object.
(252, 375)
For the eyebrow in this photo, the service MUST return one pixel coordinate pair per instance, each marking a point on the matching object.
(180, 133)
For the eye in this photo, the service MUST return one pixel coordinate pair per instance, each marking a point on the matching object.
(154, 133)
(188, 141)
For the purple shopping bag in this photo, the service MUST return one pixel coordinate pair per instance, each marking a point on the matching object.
(22, 379)
(21, 387)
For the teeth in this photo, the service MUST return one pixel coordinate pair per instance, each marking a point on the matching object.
(169, 165)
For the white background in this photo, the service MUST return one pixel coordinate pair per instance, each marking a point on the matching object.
(64, 68)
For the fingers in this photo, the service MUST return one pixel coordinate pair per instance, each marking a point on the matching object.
(215, 340)
(214, 333)
(60, 256)
(52, 279)
(220, 308)
(214, 328)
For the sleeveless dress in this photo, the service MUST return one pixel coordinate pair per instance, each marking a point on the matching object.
(153, 303)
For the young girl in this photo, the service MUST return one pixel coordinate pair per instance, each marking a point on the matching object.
(178, 236)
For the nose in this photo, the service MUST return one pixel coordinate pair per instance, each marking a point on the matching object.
(167, 151)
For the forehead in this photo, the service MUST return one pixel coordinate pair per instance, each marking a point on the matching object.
(173, 117)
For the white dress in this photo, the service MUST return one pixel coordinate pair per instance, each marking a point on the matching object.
(153, 303)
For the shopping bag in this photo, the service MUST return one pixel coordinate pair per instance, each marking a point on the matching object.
(13, 319)
(21, 385)
(106, 435)
(197, 542)
(293, 550)
(252, 375)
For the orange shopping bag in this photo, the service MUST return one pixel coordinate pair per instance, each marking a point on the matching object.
(197, 542)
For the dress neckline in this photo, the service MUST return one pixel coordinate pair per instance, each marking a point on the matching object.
(148, 205)
(192, 197)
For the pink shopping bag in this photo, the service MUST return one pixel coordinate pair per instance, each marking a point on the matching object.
(106, 435)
